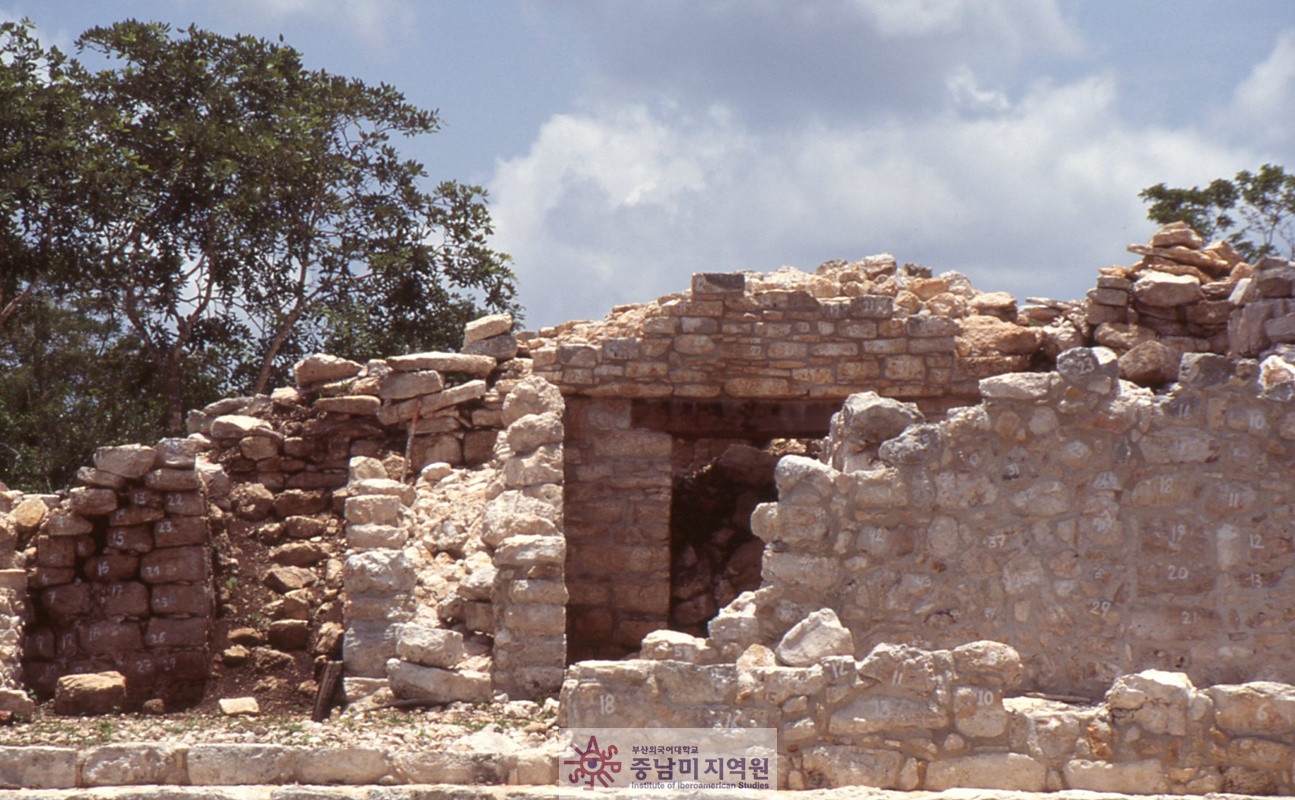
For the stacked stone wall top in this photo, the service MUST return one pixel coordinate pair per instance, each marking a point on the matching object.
(1183, 296)
(790, 335)
(1097, 528)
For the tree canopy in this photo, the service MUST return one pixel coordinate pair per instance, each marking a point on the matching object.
(212, 210)
(1255, 211)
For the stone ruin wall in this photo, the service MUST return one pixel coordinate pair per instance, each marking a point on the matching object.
(1150, 526)
(935, 595)
(346, 555)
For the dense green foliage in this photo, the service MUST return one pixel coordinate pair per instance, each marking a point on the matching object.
(189, 220)
(1254, 211)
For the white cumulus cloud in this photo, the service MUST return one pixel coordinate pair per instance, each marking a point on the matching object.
(621, 203)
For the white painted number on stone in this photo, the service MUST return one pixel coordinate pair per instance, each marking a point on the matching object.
(606, 704)
(1099, 608)
(1177, 572)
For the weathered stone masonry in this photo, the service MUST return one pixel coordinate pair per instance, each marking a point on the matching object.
(1003, 505)
(740, 357)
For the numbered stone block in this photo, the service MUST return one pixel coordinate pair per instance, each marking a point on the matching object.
(136, 539)
(124, 599)
(177, 453)
(164, 632)
(175, 565)
(39, 644)
(140, 496)
(180, 600)
(92, 502)
(65, 523)
(51, 576)
(66, 602)
(134, 515)
(185, 504)
(112, 568)
(180, 531)
(173, 480)
(1166, 576)
(128, 461)
(58, 552)
(106, 637)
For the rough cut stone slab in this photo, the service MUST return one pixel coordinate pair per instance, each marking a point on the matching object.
(818, 636)
(378, 572)
(487, 327)
(403, 385)
(1165, 290)
(95, 693)
(853, 766)
(335, 765)
(1017, 386)
(1134, 777)
(988, 771)
(533, 395)
(360, 404)
(534, 430)
(236, 426)
(178, 453)
(384, 486)
(429, 646)
(1259, 707)
(366, 647)
(133, 765)
(320, 367)
(36, 767)
(241, 764)
(477, 366)
(527, 551)
(30, 513)
(454, 767)
(502, 347)
(380, 509)
(239, 706)
(128, 461)
(436, 686)
(92, 502)
(173, 480)
(403, 411)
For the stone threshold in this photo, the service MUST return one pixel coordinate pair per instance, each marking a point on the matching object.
(455, 792)
(91, 772)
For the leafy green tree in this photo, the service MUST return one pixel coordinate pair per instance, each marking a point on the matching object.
(244, 203)
(40, 231)
(190, 219)
(73, 381)
(1254, 211)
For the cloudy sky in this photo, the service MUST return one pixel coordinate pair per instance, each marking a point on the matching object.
(628, 144)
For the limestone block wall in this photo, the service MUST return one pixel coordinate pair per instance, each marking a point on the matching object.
(14, 611)
(1095, 527)
(618, 528)
(742, 357)
(120, 577)
(907, 718)
(454, 587)
(781, 336)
